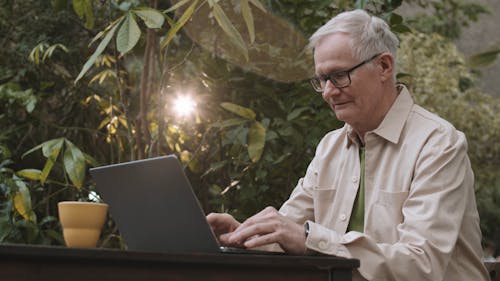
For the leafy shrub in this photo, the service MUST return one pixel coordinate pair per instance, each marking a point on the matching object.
(442, 82)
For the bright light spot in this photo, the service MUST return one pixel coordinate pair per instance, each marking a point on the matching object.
(184, 105)
(93, 196)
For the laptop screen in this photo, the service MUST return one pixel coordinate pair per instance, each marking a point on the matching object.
(154, 206)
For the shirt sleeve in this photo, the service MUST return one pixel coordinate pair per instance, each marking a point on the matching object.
(433, 212)
(300, 206)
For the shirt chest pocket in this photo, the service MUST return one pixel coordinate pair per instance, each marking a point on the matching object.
(323, 200)
(386, 213)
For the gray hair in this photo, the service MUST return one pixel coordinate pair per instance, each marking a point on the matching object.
(369, 34)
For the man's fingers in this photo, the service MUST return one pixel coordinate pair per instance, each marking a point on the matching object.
(261, 240)
(216, 218)
(222, 224)
(264, 228)
(222, 221)
(242, 234)
(224, 240)
(266, 215)
(264, 222)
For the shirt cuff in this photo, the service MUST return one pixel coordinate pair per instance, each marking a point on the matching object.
(325, 240)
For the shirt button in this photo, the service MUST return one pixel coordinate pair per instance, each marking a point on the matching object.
(343, 217)
(354, 179)
(322, 245)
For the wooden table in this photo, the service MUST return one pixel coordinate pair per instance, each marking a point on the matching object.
(494, 270)
(24, 262)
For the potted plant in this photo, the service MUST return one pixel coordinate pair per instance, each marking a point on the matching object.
(81, 213)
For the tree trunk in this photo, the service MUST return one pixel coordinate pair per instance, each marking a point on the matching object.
(148, 89)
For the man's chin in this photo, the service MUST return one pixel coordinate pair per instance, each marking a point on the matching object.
(340, 114)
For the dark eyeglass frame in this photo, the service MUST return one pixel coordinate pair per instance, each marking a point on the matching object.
(316, 81)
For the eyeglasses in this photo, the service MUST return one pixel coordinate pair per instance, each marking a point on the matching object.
(340, 79)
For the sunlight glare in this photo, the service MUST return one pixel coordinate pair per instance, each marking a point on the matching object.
(184, 105)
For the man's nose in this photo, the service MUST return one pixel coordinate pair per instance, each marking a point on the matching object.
(330, 90)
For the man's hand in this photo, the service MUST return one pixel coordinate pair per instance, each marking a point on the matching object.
(267, 227)
(223, 225)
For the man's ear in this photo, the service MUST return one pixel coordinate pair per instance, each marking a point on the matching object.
(386, 63)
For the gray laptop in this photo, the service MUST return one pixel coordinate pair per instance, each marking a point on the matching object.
(155, 208)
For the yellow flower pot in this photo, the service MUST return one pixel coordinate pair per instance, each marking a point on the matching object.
(82, 222)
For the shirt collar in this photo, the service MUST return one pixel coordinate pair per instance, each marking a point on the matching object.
(393, 122)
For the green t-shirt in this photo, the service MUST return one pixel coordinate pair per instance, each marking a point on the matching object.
(356, 222)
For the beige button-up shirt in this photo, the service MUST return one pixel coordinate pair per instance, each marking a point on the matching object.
(421, 220)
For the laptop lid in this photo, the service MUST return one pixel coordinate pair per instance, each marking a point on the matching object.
(154, 206)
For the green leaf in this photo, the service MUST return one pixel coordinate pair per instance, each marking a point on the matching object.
(179, 24)
(5, 220)
(105, 31)
(400, 28)
(176, 6)
(151, 17)
(256, 141)
(83, 8)
(50, 50)
(59, 5)
(99, 49)
(30, 103)
(34, 55)
(271, 135)
(214, 167)
(170, 21)
(31, 174)
(54, 235)
(4, 154)
(125, 5)
(259, 5)
(74, 164)
(50, 150)
(232, 184)
(404, 78)
(296, 112)
(286, 131)
(104, 122)
(50, 146)
(32, 150)
(128, 35)
(239, 110)
(281, 158)
(29, 229)
(229, 123)
(229, 29)
(22, 201)
(47, 219)
(360, 4)
(395, 19)
(90, 160)
(248, 17)
(483, 59)
(395, 4)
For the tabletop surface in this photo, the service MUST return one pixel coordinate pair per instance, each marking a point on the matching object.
(21, 251)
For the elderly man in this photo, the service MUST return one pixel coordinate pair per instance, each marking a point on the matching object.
(392, 188)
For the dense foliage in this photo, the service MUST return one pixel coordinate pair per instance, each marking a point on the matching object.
(442, 83)
(252, 134)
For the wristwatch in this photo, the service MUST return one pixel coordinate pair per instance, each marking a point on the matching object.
(306, 228)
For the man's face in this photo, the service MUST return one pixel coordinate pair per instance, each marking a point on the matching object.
(357, 103)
